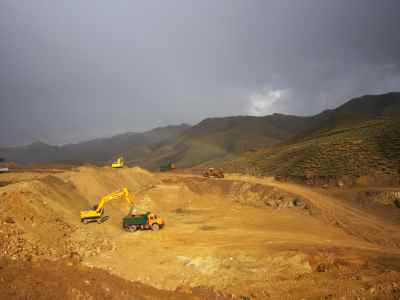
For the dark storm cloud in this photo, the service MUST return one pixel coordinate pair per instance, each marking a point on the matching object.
(71, 70)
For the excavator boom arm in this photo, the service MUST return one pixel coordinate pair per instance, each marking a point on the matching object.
(118, 194)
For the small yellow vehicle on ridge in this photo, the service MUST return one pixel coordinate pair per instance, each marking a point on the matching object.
(119, 163)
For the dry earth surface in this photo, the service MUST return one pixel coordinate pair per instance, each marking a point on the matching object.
(241, 237)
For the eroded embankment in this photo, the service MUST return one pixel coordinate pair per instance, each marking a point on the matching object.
(240, 235)
(67, 279)
(41, 214)
(241, 192)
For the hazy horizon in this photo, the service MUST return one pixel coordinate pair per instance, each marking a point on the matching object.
(175, 125)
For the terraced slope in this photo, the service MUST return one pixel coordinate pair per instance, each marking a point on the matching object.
(368, 148)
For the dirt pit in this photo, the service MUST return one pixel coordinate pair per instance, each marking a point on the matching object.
(237, 237)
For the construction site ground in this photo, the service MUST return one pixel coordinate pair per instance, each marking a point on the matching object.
(240, 237)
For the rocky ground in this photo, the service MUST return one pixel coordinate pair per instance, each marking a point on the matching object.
(241, 237)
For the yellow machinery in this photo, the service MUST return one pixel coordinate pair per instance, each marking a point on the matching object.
(119, 163)
(97, 213)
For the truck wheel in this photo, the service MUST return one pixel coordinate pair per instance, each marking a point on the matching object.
(85, 221)
(132, 228)
(155, 227)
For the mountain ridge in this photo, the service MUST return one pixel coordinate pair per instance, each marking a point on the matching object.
(212, 138)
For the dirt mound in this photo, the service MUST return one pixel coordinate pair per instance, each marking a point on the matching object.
(45, 210)
(64, 279)
(252, 237)
(250, 194)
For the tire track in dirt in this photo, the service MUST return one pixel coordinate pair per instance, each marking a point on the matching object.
(332, 210)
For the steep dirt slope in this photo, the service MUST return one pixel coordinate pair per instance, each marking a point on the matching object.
(245, 236)
(352, 220)
(66, 279)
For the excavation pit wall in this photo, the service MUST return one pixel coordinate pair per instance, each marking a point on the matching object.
(40, 215)
(226, 234)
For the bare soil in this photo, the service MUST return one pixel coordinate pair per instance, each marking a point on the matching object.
(65, 279)
(240, 237)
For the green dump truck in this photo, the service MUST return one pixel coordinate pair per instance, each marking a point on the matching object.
(133, 222)
(168, 167)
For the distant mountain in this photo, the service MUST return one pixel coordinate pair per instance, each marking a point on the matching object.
(370, 148)
(95, 151)
(358, 141)
(356, 110)
(217, 137)
(225, 139)
(229, 137)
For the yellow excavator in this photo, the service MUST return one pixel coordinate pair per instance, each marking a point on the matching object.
(97, 213)
(119, 163)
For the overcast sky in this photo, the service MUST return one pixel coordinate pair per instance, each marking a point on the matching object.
(73, 70)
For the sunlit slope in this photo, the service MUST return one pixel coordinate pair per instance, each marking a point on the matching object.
(287, 142)
(319, 145)
(217, 138)
(369, 148)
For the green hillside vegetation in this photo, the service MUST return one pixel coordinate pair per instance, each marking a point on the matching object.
(241, 133)
(353, 112)
(103, 150)
(217, 138)
(369, 148)
(228, 138)
(357, 138)
(184, 153)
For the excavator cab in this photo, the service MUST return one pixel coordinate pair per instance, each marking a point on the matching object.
(97, 213)
(93, 215)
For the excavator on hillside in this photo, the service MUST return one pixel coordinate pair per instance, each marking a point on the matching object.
(97, 213)
(119, 163)
(213, 173)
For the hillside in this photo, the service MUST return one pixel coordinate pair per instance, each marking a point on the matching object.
(217, 138)
(355, 111)
(359, 142)
(370, 148)
(95, 151)
(227, 138)
(210, 139)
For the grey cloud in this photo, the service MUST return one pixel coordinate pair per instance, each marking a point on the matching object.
(73, 70)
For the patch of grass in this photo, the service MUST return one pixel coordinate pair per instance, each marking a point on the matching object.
(363, 149)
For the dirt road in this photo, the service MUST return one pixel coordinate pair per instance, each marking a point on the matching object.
(246, 236)
(352, 220)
